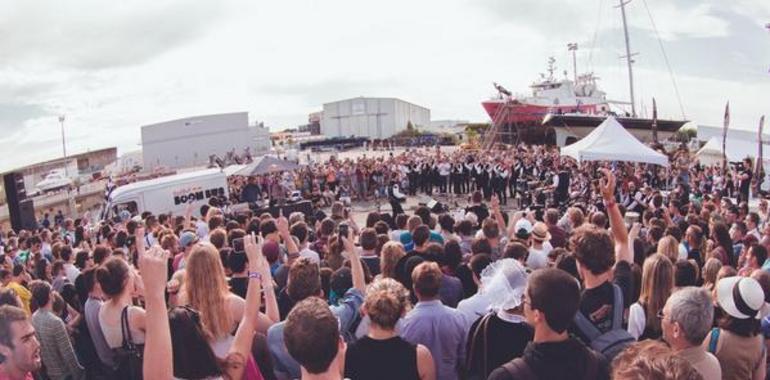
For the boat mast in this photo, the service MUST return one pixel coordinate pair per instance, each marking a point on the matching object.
(628, 56)
(573, 46)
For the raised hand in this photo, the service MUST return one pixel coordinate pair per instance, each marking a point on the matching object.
(347, 242)
(607, 184)
(252, 245)
(139, 237)
(494, 203)
(154, 264)
(283, 225)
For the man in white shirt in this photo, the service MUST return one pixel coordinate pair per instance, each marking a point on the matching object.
(301, 232)
(70, 269)
(540, 248)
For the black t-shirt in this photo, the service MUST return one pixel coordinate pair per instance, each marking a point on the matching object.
(466, 277)
(238, 286)
(481, 212)
(566, 360)
(746, 183)
(503, 341)
(373, 359)
(596, 304)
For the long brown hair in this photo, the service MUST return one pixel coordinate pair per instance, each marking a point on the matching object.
(206, 290)
(657, 283)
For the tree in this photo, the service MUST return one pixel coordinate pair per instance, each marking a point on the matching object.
(409, 126)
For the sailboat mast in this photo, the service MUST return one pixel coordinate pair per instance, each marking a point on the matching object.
(628, 57)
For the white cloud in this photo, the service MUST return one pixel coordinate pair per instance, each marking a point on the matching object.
(112, 68)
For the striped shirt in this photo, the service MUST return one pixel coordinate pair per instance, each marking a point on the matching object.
(55, 347)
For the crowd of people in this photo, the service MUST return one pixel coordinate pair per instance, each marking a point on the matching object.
(533, 175)
(608, 270)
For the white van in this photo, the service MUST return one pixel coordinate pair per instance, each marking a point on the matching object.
(169, 194)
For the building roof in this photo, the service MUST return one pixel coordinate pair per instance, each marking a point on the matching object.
(376, 98)
(64, 159)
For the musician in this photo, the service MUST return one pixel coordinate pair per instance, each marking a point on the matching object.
(561, 186)
(395, 197)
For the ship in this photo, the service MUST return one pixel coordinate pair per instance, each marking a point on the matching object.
(561, 111)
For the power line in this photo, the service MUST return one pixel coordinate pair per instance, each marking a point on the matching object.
(665, 58)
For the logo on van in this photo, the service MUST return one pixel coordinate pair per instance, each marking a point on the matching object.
(193, 195)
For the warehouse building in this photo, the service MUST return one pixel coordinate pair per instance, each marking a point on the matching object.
(190, 141)
(375, 118)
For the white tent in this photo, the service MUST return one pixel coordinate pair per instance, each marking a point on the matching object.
(611, 142)
(737, 150)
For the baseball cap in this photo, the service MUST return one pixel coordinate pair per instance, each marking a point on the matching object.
(523, 228)
(741, 297)
(187, 239)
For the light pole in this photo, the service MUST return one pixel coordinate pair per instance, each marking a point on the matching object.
(63, 141)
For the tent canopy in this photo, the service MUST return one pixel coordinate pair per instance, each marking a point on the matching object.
(737, 150)
(266, 165)
(611, 142)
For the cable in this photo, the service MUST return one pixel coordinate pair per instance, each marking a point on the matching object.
(665, 58)
(596, 34)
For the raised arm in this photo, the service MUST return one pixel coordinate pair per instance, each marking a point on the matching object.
(617, 225)
(356, 269)
(158, 360)
(283, 230)
(259, 270)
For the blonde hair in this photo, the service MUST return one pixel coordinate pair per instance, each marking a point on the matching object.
(206, 290)
(657, 282)
(386, 301)
(669, 247)
(710, 271)
(391, 252)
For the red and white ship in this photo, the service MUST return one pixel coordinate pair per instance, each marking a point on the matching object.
(549, 96)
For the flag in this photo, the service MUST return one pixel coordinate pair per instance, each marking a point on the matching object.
(654, 121)
(759, 170)
(724, 137)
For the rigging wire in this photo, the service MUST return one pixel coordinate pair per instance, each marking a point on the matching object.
(596, 34)
(665, 58)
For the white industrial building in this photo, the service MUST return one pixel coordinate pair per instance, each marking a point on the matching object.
(190, 141)
(375, 118)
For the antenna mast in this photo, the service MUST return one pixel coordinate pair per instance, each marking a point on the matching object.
(628, 56)
(573, 46)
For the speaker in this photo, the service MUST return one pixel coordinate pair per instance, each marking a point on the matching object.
(15, 191)
(27, 214)
(22, 215)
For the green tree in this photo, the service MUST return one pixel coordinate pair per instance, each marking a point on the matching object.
(409, 126)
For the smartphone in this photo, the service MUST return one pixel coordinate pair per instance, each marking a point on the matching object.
(343, 230)
(238, 245)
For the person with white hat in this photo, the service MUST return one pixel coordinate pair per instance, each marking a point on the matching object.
(541, 246)
(502, 334)
(737, 342)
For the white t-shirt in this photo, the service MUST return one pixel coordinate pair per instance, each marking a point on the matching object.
(637, 320)
(538, 258)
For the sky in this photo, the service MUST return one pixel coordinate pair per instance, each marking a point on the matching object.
(111, 67)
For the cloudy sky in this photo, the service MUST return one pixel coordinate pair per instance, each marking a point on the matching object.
(111, 67)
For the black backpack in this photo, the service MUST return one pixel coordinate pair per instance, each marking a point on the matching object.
(612, 342)
(520, 370)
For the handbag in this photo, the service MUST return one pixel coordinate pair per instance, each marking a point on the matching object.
(130, 356)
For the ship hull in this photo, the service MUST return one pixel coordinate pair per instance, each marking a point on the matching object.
(523, 113)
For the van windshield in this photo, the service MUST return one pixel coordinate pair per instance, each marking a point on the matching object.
(128, 206)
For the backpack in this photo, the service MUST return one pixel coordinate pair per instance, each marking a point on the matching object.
(520, 370)
(613, 341)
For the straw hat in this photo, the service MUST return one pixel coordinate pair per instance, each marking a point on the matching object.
(540, 232)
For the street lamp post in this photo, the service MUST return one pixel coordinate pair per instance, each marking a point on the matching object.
(63, 141)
